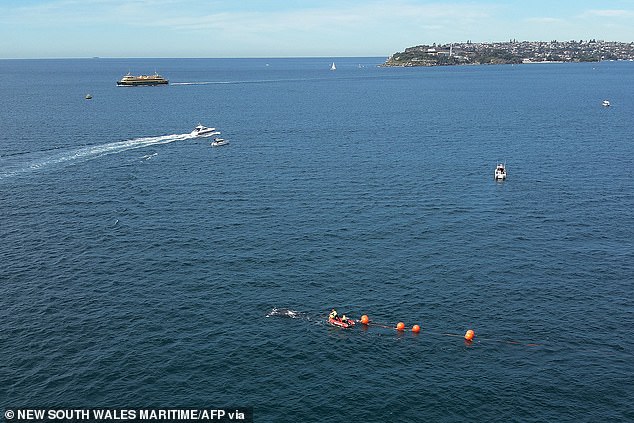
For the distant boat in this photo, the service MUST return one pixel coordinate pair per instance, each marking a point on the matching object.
(500, 172)
(131, 80)
(333, 67)
(606, 103)
(88, 97)
(219, 141)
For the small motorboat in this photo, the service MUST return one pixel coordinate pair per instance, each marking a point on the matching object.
(346, 324)
(219, 141)
(202, 130)
(606, 103)
(88, 97)
(500, 172)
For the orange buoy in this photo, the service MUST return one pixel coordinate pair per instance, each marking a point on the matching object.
(415, 328)
(469, 335)
(400, 326)
(365, 319)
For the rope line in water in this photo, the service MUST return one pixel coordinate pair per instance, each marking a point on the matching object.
(400, 327)
(468, 336)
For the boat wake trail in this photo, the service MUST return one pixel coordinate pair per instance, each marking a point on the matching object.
(250, 81)
(39, 160)
(263, 81)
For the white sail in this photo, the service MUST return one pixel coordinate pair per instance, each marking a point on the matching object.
(333, 67)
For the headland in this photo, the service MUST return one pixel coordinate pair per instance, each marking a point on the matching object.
(512, 52)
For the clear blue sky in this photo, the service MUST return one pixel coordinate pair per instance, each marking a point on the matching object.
(272, 28)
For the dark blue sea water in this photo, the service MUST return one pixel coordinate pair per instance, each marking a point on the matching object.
(142, 268)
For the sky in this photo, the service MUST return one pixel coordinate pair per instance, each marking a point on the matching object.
(293, 28)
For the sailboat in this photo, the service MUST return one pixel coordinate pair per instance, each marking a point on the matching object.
(333, 67)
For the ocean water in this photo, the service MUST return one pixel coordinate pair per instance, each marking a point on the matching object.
(140, 267)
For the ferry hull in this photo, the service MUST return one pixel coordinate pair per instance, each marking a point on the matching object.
(135, 83)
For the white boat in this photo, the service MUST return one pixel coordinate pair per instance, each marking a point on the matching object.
(606, 103)
(219, 141)
(500, 172)
(201, 130)
(333, 67)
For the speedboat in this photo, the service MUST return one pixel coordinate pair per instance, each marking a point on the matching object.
(606, 103)
(201, 130)
(500, 172)
(219, 141)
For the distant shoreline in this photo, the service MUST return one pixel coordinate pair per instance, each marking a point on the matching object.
(512, 52)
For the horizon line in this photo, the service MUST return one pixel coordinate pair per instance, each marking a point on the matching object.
(189, 57)
(513, 40)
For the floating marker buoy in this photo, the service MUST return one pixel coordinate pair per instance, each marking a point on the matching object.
(469, 335)
(400, 326)
(365, 319)
(415, 328)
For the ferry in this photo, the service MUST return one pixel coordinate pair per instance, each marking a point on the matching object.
(131, 80)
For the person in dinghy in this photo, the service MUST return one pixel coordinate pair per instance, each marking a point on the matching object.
(342, 321)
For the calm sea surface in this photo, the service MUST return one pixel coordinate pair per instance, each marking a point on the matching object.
(141, 268)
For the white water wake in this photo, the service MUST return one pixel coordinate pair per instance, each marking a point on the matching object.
(25, 163)
(263, 81)
(249, 81)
